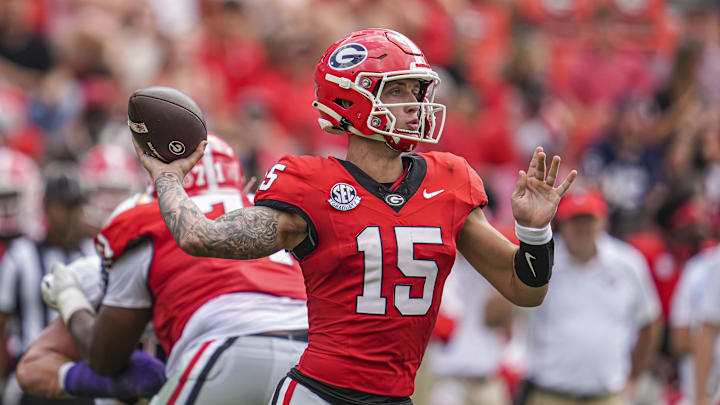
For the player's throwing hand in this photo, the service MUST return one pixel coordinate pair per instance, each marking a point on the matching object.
(536, 198)
(180, 167)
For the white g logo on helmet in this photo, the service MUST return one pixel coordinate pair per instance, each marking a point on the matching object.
(348, 56)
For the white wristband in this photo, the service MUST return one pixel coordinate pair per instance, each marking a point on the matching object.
(70, 301)
(62, 372)
(533, 236)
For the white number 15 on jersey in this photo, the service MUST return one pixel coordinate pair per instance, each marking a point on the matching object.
(369, 243)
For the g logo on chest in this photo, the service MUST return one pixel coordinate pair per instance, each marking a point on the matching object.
(394, 199)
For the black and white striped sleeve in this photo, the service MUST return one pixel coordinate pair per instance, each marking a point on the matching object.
(8, 283)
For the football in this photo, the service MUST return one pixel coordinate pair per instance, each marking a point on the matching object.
(165, 122)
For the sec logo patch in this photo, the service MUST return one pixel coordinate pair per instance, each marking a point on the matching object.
(343, 197)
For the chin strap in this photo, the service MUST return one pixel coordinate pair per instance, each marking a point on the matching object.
(328, 126)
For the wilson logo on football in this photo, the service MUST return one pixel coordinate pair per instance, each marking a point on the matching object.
(176, 147)
(138, 127)
(343, 197)
(348, 56)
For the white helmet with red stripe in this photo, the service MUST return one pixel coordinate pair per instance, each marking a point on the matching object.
(111, 174)
(218, 169)
(349, 81)
(20, 195)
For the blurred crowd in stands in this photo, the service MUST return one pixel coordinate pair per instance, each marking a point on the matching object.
(627, 91)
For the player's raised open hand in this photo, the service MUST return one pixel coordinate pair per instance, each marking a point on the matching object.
(536, 198)
(179, 167)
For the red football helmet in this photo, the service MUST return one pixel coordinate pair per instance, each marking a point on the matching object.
(111, 174)
(219, 169)
(349, 81)
(20, 195)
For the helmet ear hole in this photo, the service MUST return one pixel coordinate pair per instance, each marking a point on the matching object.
(344, 103)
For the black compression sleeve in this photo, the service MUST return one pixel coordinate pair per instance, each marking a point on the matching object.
(533, 263)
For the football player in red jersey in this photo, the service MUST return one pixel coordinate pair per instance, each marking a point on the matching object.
(111, 174)
(231, 329)
(376, 234)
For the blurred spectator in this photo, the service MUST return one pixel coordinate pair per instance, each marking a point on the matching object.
(25, 54)
(712, 193)
(460, 133)
(689, 123)
(686, 321)
(597, 329)
(175, 18)
(681, 97)
(473, 130)
(705, 350)
(285, 89)
(600, 73)
(230, 49)
(542, 118)
(710, 66)
(467, 365)
(626, 166)
(558, 17)
(27, 261)
(682, 233)
(483, 30)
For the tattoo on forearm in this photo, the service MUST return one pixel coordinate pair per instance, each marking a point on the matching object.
(246, 233)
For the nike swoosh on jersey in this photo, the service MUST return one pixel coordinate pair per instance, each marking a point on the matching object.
(431, 195)
(528, 256)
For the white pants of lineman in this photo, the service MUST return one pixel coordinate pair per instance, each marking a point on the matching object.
(242, 370)
(289, 392)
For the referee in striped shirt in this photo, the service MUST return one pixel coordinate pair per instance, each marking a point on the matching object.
(27, 261)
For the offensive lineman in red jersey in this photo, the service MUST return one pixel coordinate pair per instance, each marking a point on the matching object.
(376, 234)
(231, 329)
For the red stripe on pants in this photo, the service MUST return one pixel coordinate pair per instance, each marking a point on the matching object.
(185, 375)
(289, 392)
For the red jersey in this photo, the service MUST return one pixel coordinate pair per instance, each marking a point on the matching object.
(665, 265)
(180, 283)
(375, 261)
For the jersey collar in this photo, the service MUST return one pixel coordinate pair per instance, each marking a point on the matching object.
(407, 188)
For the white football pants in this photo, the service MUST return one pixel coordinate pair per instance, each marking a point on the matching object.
(289, 392)
(243, 370)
